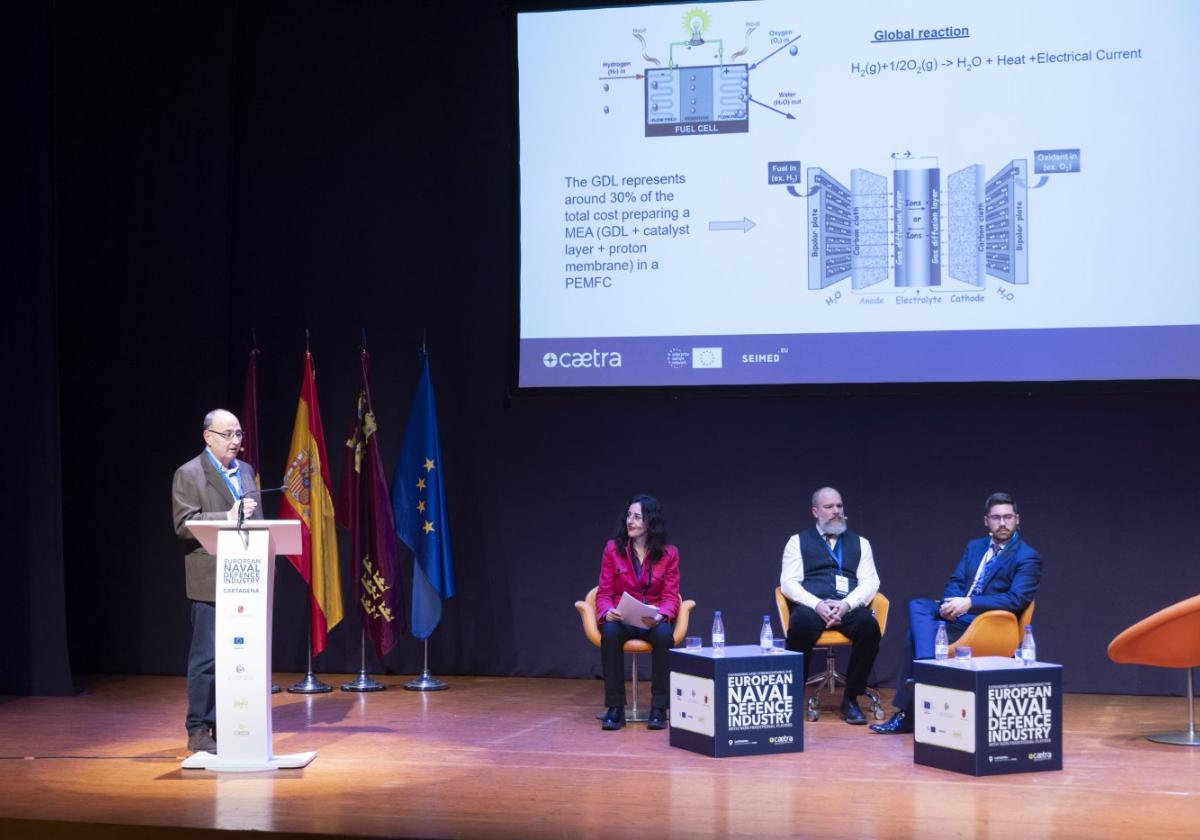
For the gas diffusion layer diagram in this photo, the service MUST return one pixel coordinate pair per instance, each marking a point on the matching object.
(987, 225)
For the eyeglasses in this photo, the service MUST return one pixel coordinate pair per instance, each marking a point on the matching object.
(236, 434)
(1001, 517)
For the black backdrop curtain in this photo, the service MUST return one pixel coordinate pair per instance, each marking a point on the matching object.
(333, 167)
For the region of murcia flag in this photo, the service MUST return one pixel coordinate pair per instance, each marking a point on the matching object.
(364, 509)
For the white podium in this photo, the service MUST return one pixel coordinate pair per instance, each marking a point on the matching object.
(245, 596)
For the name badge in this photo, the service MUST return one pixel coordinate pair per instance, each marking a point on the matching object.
(842, 584)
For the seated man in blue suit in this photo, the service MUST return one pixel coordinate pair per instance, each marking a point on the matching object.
(997, 572)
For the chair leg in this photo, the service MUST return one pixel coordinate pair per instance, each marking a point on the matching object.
(634, 713)
(828, 680)
(1188, 738)
(876, 706)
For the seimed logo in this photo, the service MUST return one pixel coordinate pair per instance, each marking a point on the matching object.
(594, 358)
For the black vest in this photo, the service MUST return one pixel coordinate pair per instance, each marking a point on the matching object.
(820, 567)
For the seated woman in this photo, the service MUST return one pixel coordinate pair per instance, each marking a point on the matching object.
(639, 561)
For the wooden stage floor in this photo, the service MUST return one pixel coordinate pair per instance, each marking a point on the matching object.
(525, 758)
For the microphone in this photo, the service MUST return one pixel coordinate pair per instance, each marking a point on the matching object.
(265, 490)
(241, 517)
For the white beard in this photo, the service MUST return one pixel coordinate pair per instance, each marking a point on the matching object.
(836, 527)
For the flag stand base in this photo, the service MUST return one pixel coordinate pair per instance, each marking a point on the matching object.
(310, 685)
(363, 682)
(426, 682)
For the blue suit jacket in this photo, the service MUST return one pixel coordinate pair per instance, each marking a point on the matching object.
(1010, 581)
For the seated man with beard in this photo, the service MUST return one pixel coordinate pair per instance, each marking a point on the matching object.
(829, 578)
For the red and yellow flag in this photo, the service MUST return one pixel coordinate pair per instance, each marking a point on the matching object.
(308, 497)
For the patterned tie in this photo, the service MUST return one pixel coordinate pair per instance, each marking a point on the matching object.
(978, 587)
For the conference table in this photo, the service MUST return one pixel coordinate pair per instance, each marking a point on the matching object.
(987, 716)
(742, 701)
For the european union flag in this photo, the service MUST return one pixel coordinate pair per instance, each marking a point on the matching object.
(419, 502)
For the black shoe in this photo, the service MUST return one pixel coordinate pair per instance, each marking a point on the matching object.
(614, 718)
(200, 741)
(657, 719)
(851, 713)
(900, 724)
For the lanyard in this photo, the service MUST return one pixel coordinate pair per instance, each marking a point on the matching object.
(836, 555)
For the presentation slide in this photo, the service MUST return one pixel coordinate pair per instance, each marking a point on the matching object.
(777, 192)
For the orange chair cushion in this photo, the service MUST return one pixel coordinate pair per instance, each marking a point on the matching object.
(1169, 639)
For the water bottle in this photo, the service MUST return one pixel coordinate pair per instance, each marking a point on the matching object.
(941, 643)
(766, 637)
(1028, 647)
(718, 635)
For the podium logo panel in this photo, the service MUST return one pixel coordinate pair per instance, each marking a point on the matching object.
(241, 575)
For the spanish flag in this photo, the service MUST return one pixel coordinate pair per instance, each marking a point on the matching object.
(308, 497)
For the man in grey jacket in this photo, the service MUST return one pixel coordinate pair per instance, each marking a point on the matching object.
(213, 485)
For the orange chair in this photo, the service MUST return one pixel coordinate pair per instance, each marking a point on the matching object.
(1168, 639)
(587, 614)
(830, 679)
(995, 632)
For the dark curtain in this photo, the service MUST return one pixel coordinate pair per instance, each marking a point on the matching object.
(335, 167)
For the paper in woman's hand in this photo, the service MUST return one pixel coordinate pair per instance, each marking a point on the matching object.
(633, 611)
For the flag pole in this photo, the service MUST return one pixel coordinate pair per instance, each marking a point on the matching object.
(310, 684)
(363, 682)
(254, 351)
(427, 681)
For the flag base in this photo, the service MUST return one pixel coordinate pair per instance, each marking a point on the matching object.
(363, 682)
(426, 682)
(310, 685)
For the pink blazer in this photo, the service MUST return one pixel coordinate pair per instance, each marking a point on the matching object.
(659, 583)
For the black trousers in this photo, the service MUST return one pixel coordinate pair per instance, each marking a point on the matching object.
(201, 668)
(613, 635)
(858, 625)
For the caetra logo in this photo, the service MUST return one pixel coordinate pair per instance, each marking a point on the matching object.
(594, 358)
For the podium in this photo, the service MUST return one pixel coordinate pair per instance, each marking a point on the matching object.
(987, 716)
(245, 596)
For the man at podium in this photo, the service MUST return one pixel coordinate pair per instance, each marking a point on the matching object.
(213, 485)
